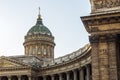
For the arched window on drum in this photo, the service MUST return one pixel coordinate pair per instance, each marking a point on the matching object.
(45, 51)
(39, 51)
(34, 51)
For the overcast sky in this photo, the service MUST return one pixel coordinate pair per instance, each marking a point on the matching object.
(62, 17)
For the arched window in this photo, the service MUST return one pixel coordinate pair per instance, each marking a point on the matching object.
(34, 51)
(45, 51)
(39, 51)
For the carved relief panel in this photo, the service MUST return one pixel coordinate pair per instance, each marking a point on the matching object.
(106, 4)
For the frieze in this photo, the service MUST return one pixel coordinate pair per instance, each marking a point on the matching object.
(98, 4)
(102, 38)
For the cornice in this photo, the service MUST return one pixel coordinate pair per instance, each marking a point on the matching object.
(100, 19)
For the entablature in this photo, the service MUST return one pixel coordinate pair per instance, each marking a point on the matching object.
(102, 22)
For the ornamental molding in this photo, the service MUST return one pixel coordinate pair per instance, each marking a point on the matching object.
(105, 6)
(98, 4)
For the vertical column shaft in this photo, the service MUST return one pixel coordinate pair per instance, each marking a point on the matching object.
(52, 77)
(9, 77)
(81, 74)
(60, 76)
(75, 74)
(30, 78)
(19, 77)
(36, 50)
(68, 75)
(44, 77)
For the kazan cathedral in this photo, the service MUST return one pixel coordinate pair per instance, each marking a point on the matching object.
(99, 60)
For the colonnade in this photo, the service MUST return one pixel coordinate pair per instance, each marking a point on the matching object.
(15, 77)
(83, 73)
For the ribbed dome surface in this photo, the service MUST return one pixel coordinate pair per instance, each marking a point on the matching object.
(39, 28)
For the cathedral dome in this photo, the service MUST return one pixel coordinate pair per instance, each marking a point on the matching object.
(39, 41)
(39, 28)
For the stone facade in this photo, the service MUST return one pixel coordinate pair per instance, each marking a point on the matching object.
(99, 60)
(104, 29)
(74, 66)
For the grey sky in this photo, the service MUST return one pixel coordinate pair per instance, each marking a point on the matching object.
(62, 17)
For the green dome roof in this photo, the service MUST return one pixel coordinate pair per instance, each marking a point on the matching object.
(39, 28)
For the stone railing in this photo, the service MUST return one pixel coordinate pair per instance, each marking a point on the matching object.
(68, 57)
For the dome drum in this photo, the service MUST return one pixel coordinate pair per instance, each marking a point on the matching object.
(39, 41)
(39, 37)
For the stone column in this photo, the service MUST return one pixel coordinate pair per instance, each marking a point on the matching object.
(31, 50)
(75, 74)
(42, 50)
(44, 77)
(9, 77)
(68, 75)
(36, 50)
(60, 76)
(30, 77)
(52, 49)
(52, 77)
(19, 77)
(88, 72)
(81, 73)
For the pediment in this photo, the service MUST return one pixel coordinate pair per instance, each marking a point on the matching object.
(6, 63)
